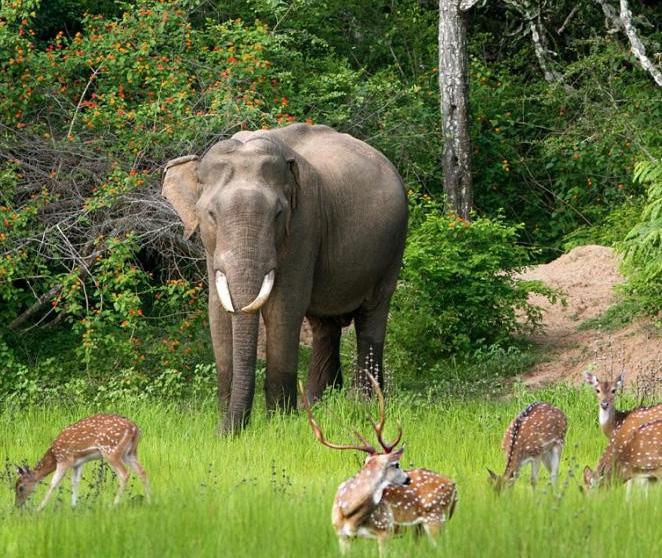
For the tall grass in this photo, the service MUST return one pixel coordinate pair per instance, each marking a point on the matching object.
(269, 492)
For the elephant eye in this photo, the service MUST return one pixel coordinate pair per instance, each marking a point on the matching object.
(211, 216)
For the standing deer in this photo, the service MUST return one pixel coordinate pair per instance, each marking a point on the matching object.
(536, 435)
(110, 437)
(381, 496)
(610, 417)
(634, 455)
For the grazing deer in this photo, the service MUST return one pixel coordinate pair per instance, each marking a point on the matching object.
(536, 435)
(381, 496)
(110, 437)
(610, 417)
(634, 455)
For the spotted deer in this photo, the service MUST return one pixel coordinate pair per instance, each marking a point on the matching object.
(634, 455)
(536, 435)
(609, 416)
(110, 437)
(381, 496)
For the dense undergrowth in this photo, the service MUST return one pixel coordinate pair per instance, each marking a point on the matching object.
(102, 299)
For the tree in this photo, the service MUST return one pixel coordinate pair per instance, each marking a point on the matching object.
(453, 88)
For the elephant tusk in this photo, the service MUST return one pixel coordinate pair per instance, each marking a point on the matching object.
(263, 295)
(223, 291)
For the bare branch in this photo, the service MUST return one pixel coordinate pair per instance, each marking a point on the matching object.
(567, 20)
(636, 44)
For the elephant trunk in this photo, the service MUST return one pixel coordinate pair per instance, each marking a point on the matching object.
(244, 353)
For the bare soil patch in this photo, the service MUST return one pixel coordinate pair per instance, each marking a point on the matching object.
(587, 275)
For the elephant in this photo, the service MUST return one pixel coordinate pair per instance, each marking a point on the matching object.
(299, 221)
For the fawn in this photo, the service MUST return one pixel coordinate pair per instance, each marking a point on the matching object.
(611, 418)
(536, 435)
(634, 455)
(110, 437)
(381, 496)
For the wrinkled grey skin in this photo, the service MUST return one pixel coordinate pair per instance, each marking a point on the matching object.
(323, 210)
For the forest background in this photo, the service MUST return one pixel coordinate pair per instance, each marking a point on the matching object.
(101, 298)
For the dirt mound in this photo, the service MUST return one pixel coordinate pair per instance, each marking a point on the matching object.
(587, 276)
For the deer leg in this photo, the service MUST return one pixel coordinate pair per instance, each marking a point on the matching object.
(343, 543)
(643, 483)
(628, 489)
(60, 471)
(132, 461)
(76, 474)
(554, 463)
(122, 473)
(535, 469)
(381, 538)
(432, 530)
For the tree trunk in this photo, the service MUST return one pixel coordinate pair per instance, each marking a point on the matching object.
(453, 87)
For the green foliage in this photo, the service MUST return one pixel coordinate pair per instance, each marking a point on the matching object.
(458, 290)
(560, 159)
(642, 247)
(96, 96)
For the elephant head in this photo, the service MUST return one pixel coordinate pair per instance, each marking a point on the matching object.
(241, 196)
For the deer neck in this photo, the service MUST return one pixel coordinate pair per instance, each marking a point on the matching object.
(611, 419)
(360, 495)
(45, 466)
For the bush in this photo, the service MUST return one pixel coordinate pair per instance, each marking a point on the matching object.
(642, 247)
(458, 291)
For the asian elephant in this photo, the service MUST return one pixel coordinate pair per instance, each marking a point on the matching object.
(296, 221)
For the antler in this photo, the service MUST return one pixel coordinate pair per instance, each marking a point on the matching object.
(320, 436)
(379, 426)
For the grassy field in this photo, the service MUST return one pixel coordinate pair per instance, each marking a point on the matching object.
(269, 492)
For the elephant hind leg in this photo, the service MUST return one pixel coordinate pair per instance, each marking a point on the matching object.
(324, 369)
(370, 324)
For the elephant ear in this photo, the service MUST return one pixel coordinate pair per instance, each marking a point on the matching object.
(295, 171)
(180, 188)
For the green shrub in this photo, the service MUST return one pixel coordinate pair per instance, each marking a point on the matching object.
(458, 292)
(642, 247)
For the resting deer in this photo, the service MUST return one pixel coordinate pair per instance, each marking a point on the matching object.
(110, 437)
(634, 455)
(611, 418)
(381, 496)
(536, 435)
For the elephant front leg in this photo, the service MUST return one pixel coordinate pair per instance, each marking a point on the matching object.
(324, 369)
(282, 359)
(220, 325)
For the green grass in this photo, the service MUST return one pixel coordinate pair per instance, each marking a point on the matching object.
(269, 492)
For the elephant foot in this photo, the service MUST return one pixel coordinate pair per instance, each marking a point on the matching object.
(233, 424)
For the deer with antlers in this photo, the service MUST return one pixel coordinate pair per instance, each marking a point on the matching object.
(634, 455)
(110, 437)
(609, 416)
(536, 435)
(381, 496)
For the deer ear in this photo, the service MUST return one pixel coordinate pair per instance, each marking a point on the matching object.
(180, 188)
(590, 378)
(620, 381)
